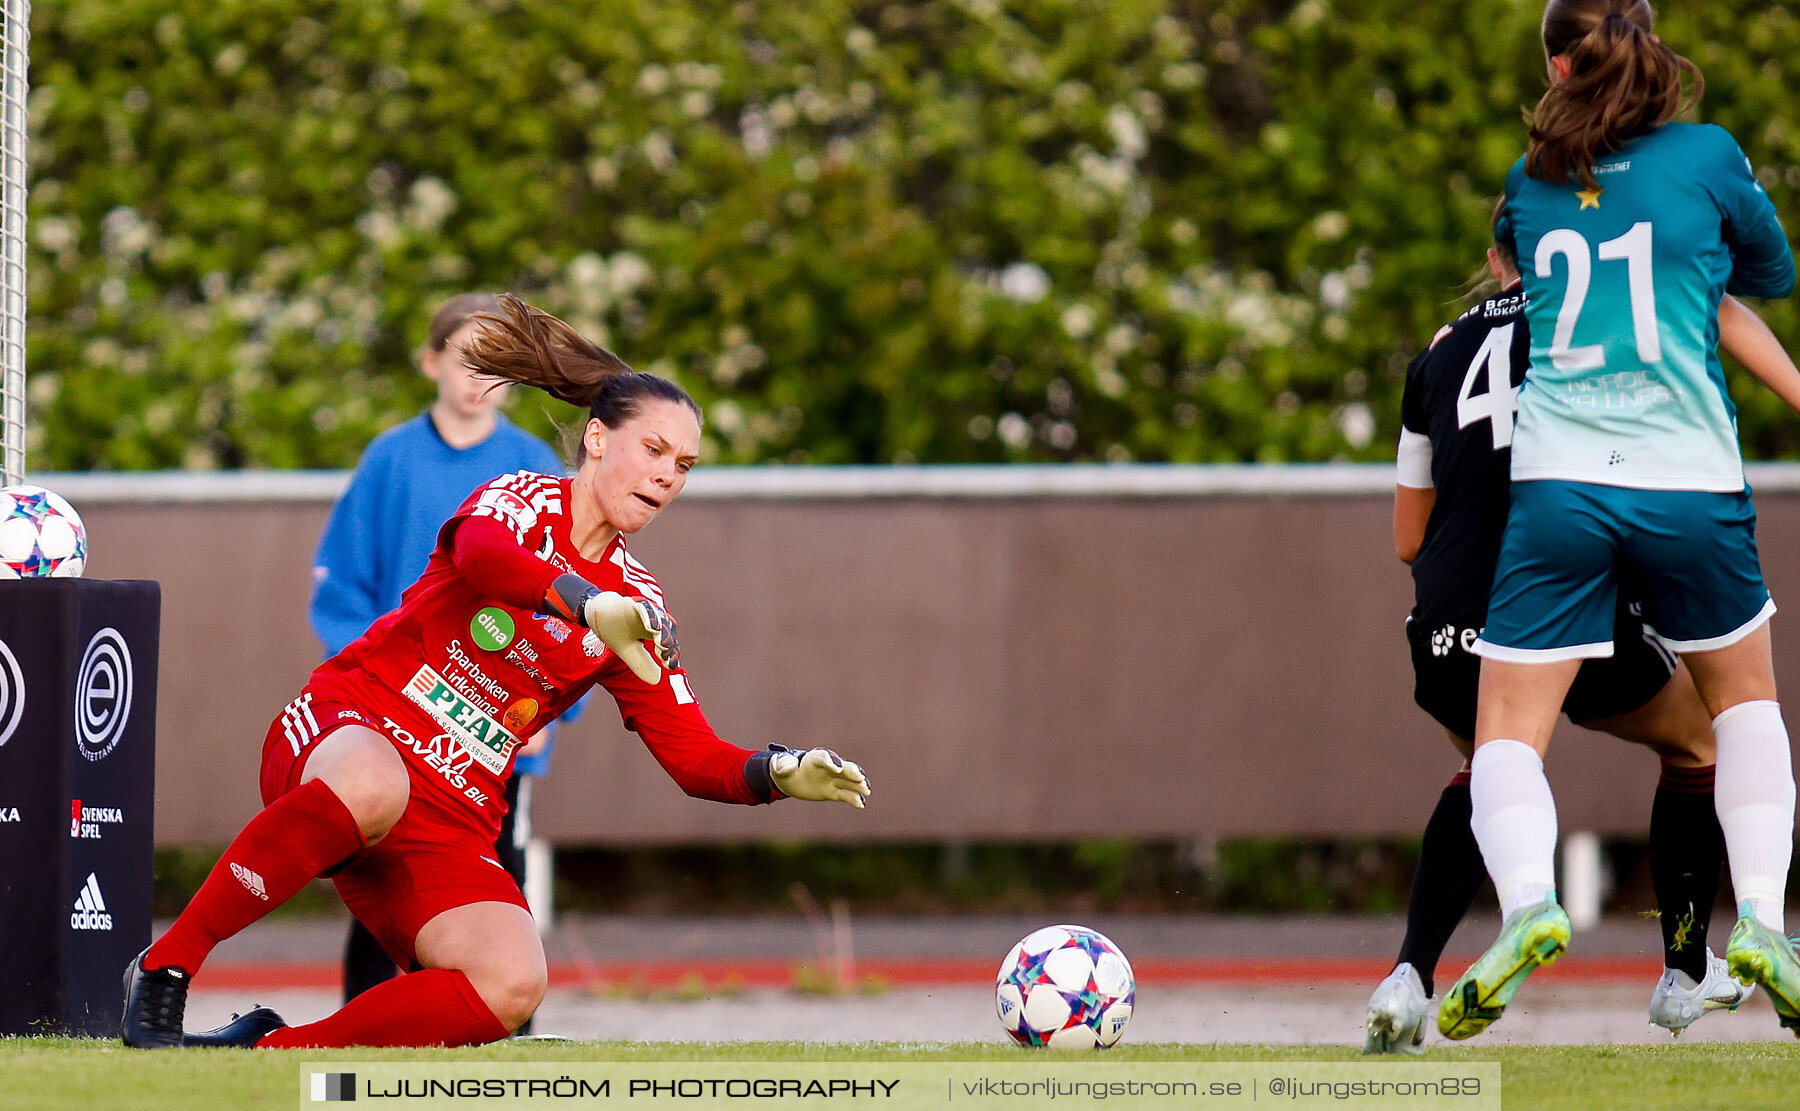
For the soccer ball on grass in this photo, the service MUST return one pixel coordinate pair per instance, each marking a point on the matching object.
(1065, 986)
(41, 535)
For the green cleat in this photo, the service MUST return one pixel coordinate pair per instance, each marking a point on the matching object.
(1531, 936)
(1757, 954)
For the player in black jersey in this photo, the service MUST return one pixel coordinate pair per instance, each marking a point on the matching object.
(1450, 510)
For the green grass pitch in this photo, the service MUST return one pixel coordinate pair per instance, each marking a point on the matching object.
(54, 1074)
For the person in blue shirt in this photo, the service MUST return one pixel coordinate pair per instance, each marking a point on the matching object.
(1629, 228)
(410, 479)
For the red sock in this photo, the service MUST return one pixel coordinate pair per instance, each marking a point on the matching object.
(296, 837)
(1688, 781)
(437, 1006)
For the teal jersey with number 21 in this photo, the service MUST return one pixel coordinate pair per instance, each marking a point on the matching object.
(1622, 288)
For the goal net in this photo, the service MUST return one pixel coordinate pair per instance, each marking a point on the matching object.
(13, 64)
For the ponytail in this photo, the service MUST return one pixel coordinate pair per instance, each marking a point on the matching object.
(1622, 83)
(529, 346)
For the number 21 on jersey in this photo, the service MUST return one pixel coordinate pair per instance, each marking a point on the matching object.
(1500, 400)
(1634, 249)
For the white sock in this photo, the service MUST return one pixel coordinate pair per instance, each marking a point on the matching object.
(1753, 791)
(1514, 819)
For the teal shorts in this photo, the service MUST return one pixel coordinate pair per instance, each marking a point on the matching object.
(1689, 554)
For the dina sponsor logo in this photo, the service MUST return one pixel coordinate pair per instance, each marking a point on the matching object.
(85, 821)
(90, 908)
(492, 629)
(103, 689)
(12, 693)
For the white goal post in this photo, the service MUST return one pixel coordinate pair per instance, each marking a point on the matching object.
(14, 63)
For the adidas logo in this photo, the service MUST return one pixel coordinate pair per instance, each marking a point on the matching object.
(90, 908)
(252, 882)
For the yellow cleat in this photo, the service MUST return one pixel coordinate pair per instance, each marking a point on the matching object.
(1757, 954)
(1531, 936)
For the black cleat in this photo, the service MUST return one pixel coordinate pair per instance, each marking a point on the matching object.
(155, 1001)
(243, 1031)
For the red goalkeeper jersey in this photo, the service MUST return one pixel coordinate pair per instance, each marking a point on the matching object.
(468, 670)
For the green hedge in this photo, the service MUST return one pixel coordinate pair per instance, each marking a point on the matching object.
(944, 230)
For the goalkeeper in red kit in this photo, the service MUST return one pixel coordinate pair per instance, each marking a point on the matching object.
(387, 772)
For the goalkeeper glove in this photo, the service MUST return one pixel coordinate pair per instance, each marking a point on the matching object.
(817, 775)
(622, 624)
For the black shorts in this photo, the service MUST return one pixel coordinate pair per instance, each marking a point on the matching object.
(1446, 673)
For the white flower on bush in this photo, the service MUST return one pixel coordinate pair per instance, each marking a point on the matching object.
(1025, 282)
(1078, 321)
(627, 273)
(659, 152)
(758, 134)
(432, 204)
(54, 234)
(1331, 226)
(124, 232)
(1127, 133)
(1357, 423)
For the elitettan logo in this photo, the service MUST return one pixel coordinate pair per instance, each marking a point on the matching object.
(103, 694)
(12, 693)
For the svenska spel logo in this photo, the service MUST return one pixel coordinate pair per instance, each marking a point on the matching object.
(333, 1087)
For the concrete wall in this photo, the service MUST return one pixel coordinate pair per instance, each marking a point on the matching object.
(1010, 652)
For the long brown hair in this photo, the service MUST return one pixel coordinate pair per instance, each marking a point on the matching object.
(529, 346)
(1481, 283)
(1622, 83)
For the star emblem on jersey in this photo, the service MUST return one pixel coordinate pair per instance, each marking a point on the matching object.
(1442, 640)
(1590, 198)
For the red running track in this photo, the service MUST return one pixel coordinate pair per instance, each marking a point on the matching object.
(782, 973)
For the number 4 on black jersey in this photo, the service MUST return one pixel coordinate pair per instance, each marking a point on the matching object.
(1461, 394)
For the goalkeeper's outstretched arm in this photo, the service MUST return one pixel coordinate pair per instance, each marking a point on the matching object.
(814, 774)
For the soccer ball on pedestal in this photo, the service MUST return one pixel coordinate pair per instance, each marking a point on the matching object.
(41, 535)
(1065, 986)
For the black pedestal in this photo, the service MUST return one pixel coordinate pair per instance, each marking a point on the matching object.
(77, 795)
